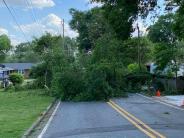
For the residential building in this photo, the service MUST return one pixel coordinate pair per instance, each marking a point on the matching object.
(22, 68)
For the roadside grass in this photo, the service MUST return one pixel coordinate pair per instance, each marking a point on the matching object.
(18, 110)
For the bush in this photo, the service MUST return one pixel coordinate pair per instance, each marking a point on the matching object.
(34, 84)
(104, 81)
(135, 81)
(69, 83)
(38, 72)
(132, 68)
(16, 78)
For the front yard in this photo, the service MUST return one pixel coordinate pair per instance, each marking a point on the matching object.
(18, 110)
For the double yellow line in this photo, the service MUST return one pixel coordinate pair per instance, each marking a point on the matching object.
(135, 121)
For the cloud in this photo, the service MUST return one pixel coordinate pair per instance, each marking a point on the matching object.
(30, 3)
(14, 40)
(51, 23)
(93, 4)
(3, 31)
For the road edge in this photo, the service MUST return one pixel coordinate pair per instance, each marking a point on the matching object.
(49, 121)
(161, 102)
(37, 122)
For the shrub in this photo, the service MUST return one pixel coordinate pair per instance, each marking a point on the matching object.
(16, 78)
(69, 83)
(40, 72)
(32, 85)
(135, 68)
(104, 81)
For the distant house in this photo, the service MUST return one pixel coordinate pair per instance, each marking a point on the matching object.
(151, 68)
(8, 68)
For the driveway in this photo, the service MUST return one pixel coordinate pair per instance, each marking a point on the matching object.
(132, 117)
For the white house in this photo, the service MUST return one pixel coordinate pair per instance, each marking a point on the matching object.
(153, 66)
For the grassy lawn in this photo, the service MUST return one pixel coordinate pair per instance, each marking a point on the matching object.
(18, 110)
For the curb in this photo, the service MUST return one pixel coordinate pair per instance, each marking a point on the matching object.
(37, 122)
(162, 102)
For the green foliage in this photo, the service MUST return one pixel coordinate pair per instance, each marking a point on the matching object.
(46, 42)
(5, 46)
(24, 52)
(108, 48)
(178, 18)
(91, 25)
(97, 85)
(167, 49)
(16, 78)
(42, 74)
(131, 48)
(105, 80)
(121, 14)
(163, 55)
(162, 30)
(136, 80)
(69, 83)
(133, 68)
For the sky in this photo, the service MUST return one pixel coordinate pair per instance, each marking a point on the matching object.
(35, 17)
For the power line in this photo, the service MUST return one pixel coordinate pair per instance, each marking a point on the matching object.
(14, 18)
(33, 14)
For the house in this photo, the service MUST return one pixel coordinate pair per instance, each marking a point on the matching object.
(8, 68)
(170, 83)
(151, 68)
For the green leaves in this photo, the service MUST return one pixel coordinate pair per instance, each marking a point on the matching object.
(90, 25)
(16, 78)
(162, 30)
(5, 46)
(121, 14)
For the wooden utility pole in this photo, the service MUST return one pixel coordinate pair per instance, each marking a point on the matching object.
(138, 47)
(63, 27)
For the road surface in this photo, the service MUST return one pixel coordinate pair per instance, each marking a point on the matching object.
(132, 117)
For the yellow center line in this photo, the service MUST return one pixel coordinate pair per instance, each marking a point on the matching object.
(131, 121)
(136, 119)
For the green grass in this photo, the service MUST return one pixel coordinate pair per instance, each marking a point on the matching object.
(18, 110)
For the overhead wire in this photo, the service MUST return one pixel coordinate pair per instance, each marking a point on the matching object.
(14, 18)
(33, 15)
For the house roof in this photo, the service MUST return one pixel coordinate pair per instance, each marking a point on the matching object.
(18, 66)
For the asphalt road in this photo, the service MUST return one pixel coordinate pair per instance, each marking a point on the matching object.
(132, 117)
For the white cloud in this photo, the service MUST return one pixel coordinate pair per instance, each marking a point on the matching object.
(3, 31)
(13, 38)
(93, 4)
(51, 23)
(30, 3)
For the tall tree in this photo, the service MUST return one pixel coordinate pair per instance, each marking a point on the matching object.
(137, 50)
(167, 47)
(5, 46)
(24, 53)
(122, 13)
(90, 25)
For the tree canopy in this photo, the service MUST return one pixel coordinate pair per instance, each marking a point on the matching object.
(5, 46)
